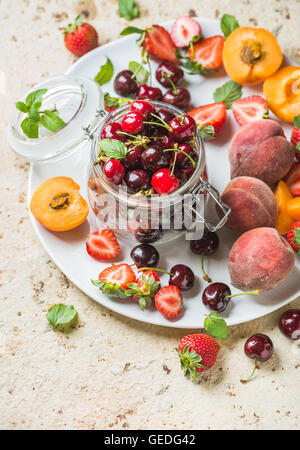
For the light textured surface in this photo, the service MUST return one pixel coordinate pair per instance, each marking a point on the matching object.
(112, 372)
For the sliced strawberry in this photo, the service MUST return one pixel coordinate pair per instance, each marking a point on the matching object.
(102, 245)
(159, 44)
(212, 115)
(293, 236)
(208, 52)
(249, 109)
(184, 30)
(119, 274)
(293, 179)
(169, 301)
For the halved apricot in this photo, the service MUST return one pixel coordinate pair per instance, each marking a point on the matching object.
(282, 92)
(251, 55)
(57, 204)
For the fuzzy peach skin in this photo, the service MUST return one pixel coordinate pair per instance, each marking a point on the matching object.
(252, 204)
(260, 259)
(261, 150)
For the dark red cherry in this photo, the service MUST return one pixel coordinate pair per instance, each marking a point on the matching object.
(289, 324)
(208, 244)
(146, 92)
(163, 182)
(183, 128)
(137, 180)
(145, 255)
(114, 171)
(182, 160)
(132, 159)
(148, 236)
(154, 159)
(110, 131)
(132, 122)
(125, 85)
(259, 347)
(165, 115)
(214, 296)
(163, 141)
(180, 98)
(142, 106)
(182, 276)
(168, 71)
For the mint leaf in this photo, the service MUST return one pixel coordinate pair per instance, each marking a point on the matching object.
(131, 30)
(35, 97)
(297, 122)
(30, 127)
(113, 148)
(105, 73)
(139, 72)
(216, 326)
(62, 316)
(34, 114)
(228, 93)
(52, 121)
(22, 107)
(228, 24)
(128, 9)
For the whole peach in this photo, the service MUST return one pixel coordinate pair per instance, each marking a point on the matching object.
(260, 260)
(261, 150)
(252, 204)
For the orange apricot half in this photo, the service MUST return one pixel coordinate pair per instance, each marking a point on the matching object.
(282, 92)
(251, 55)
(57, 204)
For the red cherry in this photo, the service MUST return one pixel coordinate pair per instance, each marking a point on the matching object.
(163, 182)
(149, 93)
(114, 171)
(142, 106)
(110, 131)
(183, 128)
(132, 122)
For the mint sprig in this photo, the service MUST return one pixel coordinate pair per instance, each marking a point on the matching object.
(62, 317)
(128, 9)
(110, 289)
(228, 24)
(30, 124)
(105, 73)
(216, 326)
(112, 148)
(228, 93)
(139, 72)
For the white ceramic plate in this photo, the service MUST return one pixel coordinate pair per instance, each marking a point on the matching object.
(68, 249)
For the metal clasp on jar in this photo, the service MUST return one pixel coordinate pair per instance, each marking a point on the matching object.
(87, 130)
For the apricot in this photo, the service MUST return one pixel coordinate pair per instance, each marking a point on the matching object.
(282, 196)
(260, 260)
(261, 150)
(251, 55)
(57, 204)
(252, 204)
(282, 92)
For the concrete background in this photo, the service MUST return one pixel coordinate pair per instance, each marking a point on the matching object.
(112, 372)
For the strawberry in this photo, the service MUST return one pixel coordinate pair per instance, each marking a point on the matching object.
(144, 290)
(169, 301)
(80, 37)
(295, 137)
(114, 279)
(184, 30)
(208, 52)
(158, 44)
(197, 353)
(209, 119)
(102, 245)
(293, 179)
(293, 236)
(249, 109)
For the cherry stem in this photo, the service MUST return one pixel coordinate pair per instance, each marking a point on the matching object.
(174, 164)
(162, 120)
(181, 151)
(142, 269)
(166, 77)
(253, 371)
(205, 276)
(243, 293)
(126, 134)
(159, 125)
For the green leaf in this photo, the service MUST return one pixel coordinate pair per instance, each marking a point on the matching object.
(216, 326)
(62, 316)
(72, 26)
(115, 102)
(105, 73)
(228, 93)
(128, 9)
(131, 30)
(35, 98)
(228, 24)
(298, 147)
(297, 122)
(139, 72)
(30, 127)
(34, 114)
(113, 148)
(22, 107)
(52, 121)
(207, 132)
(296, 239)
(110, 289)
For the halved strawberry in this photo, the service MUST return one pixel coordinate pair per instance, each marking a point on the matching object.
(208, 52)
(159, 44)
(184, 30)
(293, 236)
(169, 301)
(293, 179)
(209, 118)
(249, 109)
(102, 245)
(119, 274)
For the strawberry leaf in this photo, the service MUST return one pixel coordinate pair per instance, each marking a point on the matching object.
(139, 72)
(207, 132)
(128, 9)
(228, 24)
(62, 316)
(105, 73)
(297, 122)
(112, 148)
(296, 239)
(146, 293)
(131, 30)
(298, 147)
(115, 102)
(216, 326)
(110, 289)
(189, 361)
(228, 93)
